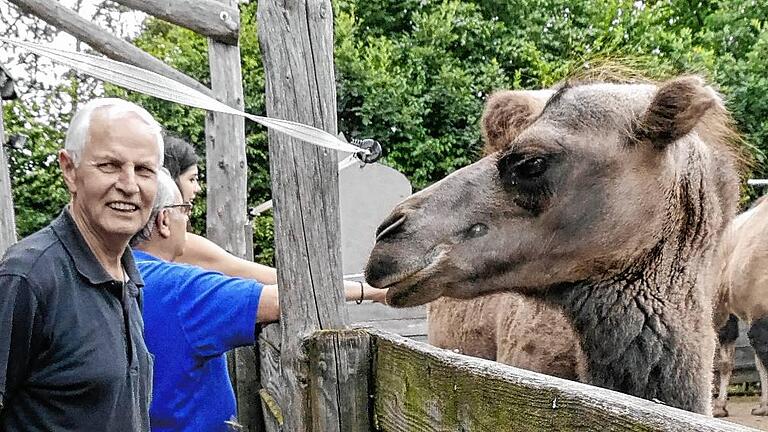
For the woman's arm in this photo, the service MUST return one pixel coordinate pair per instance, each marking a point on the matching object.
(352, 291)
(204, 253)
(269, 304)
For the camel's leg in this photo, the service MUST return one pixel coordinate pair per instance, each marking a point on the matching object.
(726, 350)
(758, 337)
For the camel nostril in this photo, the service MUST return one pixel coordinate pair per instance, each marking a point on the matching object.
(390, 226)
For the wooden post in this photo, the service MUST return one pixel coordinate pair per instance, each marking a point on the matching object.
(226, 174)
(306, 385)
(7, 219)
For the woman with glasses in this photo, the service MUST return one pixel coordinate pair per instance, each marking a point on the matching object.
(181, 161)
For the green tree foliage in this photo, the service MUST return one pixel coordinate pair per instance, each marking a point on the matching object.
(39, 192)
(415, 74)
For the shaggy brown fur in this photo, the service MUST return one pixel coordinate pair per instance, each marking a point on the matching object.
(507, 327)
(608, 204)
(510, 329)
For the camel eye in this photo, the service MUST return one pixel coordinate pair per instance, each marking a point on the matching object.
(530, 168)
(477, 230)
(519, 168)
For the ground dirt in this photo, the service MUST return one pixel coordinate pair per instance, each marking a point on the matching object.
(739, 408)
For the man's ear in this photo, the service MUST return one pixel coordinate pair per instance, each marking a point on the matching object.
(163, 223)
(507, 113)
(68, 170)
(675, 110)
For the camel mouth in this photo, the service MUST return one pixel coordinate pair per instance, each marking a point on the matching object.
(409, 289)
(402, 281)
(411, 294)
(404, 287)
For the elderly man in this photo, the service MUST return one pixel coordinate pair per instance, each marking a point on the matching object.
(72, 354)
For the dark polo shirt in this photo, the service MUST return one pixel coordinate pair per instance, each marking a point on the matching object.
(72, 353)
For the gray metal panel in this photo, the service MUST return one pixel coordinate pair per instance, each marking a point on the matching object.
(367, 194)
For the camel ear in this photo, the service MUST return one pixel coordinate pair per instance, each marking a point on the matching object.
(675, 110)
(507, 113)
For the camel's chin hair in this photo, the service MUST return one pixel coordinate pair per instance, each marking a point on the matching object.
(409, 297)
(414, 288)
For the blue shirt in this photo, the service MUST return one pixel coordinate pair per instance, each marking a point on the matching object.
(192, 317)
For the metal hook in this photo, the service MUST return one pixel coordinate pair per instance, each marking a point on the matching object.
(373, 147)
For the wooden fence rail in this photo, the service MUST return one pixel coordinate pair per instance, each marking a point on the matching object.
(413, 386)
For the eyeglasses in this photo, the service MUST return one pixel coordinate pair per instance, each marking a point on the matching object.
(186, 208)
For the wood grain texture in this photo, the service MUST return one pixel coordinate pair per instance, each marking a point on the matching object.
(271, 378)
(211, 18)
(379, 312)
(409, 327)
(339, 390)
(296, 39)
(247, 373)
(7, 219)
(422, 388)
(227, 174)
(67, 20)
(247, 387)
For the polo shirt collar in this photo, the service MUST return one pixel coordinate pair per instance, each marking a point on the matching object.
(85, 261)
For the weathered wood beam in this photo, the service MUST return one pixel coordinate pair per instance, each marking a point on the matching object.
(226, 169)
(215, 19)
(348, 381)
(422, 388)
(226, 220)
(339, 368)
(296, 39)
(7, 219)
(67, 20)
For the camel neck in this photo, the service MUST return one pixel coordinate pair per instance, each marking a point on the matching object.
(643, 333)
(647, 330)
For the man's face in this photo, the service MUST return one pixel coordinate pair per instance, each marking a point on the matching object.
(178, 217)
(115, 184)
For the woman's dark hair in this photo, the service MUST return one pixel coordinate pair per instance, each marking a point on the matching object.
(179, 155)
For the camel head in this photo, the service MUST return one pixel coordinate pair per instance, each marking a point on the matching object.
(580, 182)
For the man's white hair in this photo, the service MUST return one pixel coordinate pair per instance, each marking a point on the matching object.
(78, 133)
(167, 191)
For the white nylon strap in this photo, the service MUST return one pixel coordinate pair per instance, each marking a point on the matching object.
(153, 84)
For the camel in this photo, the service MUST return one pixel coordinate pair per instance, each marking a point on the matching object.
(508, 327)
(725, 351)
(743, 292)
(609, 204)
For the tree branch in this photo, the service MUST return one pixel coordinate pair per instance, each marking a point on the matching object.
(209, 18)
(67, 20)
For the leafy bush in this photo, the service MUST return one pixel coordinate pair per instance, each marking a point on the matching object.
(414, 74)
